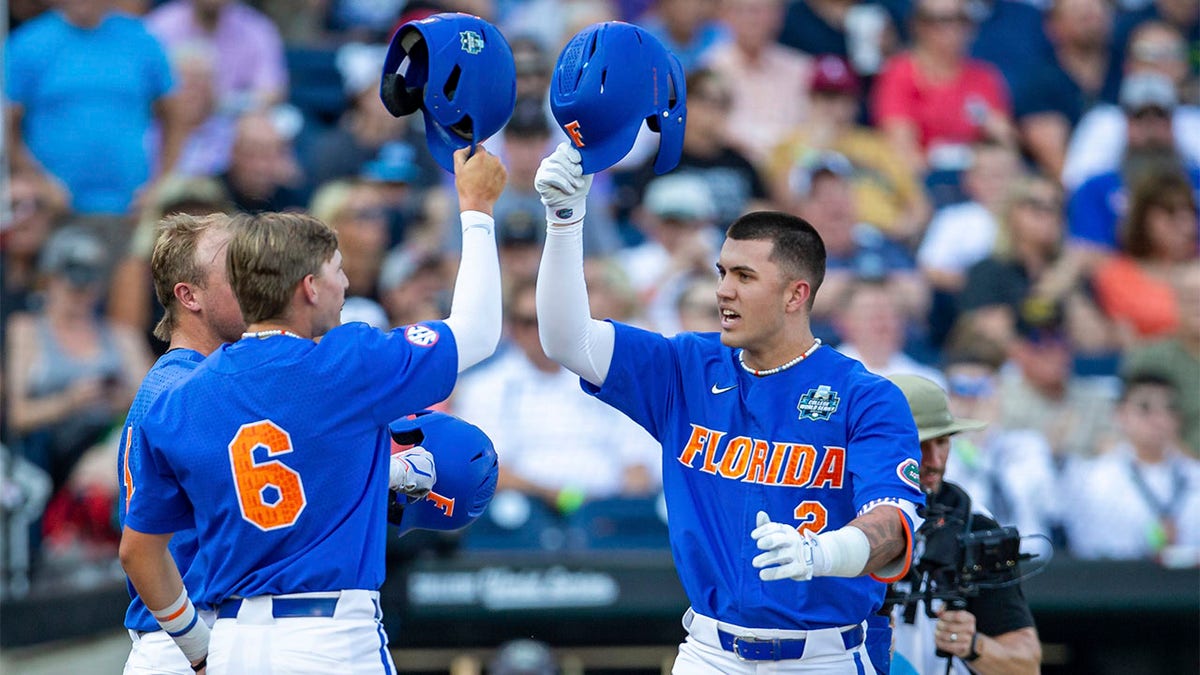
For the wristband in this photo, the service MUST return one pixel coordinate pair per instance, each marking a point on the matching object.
(477, 219)
(973, 654)
(182, 622)
(563, 214)
(200, 666)
(841, 553)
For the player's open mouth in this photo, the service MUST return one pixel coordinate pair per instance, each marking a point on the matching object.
(729, 318)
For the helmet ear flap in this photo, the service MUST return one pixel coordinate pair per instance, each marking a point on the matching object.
(397, 98)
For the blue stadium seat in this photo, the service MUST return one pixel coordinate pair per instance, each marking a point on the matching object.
(620, 522)
(514, 521)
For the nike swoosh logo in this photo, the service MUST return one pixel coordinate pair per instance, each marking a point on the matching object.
(722, 390)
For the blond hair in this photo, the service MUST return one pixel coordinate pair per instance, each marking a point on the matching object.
(173, 261)
(269, 254)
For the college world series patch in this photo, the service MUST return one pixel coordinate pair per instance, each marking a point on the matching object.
(421, 336)
(818, 404)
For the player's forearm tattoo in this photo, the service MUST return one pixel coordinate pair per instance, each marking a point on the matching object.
(885, 534)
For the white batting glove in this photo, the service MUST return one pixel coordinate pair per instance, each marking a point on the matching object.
(789, 554)
(413, 472)
(562, 185)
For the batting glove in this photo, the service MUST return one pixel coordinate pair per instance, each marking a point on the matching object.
(562, 185)
(789, 554)
(413, 472)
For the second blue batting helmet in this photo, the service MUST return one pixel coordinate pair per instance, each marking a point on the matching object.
(610, 78)
(458, 70)
(467, 470)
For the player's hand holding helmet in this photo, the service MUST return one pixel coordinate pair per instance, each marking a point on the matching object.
(562, 185)
(789, 554)
(413, 472)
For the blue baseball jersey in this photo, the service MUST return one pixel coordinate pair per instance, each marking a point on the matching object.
(168, 371)
(279, 450)
(814, 446)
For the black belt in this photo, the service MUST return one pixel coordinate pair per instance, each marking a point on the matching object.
(778, 649)
(285, 608)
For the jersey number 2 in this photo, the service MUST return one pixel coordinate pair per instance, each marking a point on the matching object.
(812, 516)
(270, 494)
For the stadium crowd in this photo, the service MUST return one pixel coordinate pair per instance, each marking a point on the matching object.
(1007, 190)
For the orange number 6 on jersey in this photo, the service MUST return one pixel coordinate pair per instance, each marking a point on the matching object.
(812, 516)
(259, 506)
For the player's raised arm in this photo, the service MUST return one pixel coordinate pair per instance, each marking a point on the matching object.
(568, 333)
(475, 315)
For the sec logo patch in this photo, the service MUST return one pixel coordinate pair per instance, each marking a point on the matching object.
(421, 336)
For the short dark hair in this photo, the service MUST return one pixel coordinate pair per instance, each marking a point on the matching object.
(1143, 378)
(796, 246)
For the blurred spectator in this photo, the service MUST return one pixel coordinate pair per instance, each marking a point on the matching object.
(962, 234)
(244, 52)
(534, 67)
(1028, 252)
(1098, 141)
(932, 101)
(97, 97)
(864, 32)
(999, 24)
(677, 221)
(131, 300)
(300, 22)
(1177, 358)
(1181, 14)
(36, 205)
(694, 307)
(523, 657)
(734, 184)
(821, 188)
(70, 374)
(688, 28)
(611, 296)
(872, 330)
(1159, 239)
(24, 490)
(555, 442)
(527, 139)
(366, 127)
(768, 82)
(1040, 391)
(357, 212)
(1101, 201)
(394, 173)
(1142, 499)
(414, 286)
(888, 194)
(263, 174)
(554, 22)
(1051, 99)
(363, 20)
(518, 245)
(1009, 472)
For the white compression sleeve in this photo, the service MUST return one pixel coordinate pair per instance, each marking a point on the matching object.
(568, 332)
(475, 310)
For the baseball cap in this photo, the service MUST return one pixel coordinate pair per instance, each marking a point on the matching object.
(395, 163)
(1140, 91)
(191, 194)
(359, 66)
(931, 408)
(813, 165)
(402, 264)
(680, 197)
(1041, 321)
(832, 74)
(518, 226)
(75, 254)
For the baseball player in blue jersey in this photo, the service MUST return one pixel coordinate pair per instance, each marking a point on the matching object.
(790, 472)
(188, 265)
(277, 448)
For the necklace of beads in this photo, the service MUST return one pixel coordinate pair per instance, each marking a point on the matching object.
(778, 369)
(262, 334)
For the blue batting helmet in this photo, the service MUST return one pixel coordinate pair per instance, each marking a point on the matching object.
(609, 78)
(458, 70)
(467, 469)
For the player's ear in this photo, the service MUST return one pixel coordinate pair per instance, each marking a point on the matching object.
(185, 295)
(798, 293)
(308, 286)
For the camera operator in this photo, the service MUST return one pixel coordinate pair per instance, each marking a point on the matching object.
(994, 631)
